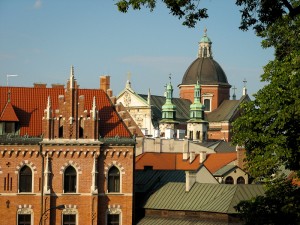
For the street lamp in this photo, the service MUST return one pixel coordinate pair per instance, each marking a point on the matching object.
(60, 207)
(10, 75)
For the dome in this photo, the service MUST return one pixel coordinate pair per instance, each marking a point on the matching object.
(206, 71)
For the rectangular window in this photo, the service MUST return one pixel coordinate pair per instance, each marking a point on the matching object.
(9, 127)
(24, 219)
(113, 219)
(69, 219)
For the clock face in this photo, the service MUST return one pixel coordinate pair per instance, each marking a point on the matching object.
(127, 99)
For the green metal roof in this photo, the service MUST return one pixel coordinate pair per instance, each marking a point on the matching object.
(147, 180)
(182, 107)
(150, 220)
(226, 111)
(224, 170)
(219, 198)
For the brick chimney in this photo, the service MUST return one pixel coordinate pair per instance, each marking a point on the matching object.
(105, 83)
(39, 85)
(241, 155)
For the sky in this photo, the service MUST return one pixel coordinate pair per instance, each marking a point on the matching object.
(41, 39)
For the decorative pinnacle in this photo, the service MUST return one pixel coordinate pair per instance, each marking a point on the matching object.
(205, 31)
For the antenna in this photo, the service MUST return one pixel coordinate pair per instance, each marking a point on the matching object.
(10, 75)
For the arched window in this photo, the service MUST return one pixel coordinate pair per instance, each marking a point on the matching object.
(240, 180)
(229, 180)
(207, 105)
(25, 179)
(114, 179)
(70, 178)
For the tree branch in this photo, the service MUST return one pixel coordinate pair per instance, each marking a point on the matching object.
(293, 11)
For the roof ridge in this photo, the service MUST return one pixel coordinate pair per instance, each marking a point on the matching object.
(232, 199)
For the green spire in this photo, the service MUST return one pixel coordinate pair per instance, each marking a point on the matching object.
(197, 109)
(169, 109)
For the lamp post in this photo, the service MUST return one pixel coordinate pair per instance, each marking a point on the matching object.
(60, 207)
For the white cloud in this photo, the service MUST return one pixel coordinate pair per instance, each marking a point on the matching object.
(37, 4)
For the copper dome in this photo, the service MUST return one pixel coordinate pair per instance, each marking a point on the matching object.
(206, 71)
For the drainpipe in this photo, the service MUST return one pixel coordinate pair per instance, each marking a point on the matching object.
(42, 180)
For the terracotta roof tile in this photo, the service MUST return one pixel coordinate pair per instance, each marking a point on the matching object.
(216, 161)
(8, 113)
(166, 161)
(29, 104)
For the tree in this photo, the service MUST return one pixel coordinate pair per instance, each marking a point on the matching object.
(280, 205)
(262, 13)
(257, 13)
(269, 126)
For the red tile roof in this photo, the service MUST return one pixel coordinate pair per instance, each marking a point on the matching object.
(216, 161)
(8, 114)
(166, 161)
(29, 104)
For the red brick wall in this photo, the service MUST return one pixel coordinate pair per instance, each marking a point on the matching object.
(89, 206)
(220, 93)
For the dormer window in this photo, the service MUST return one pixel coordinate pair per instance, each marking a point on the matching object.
(9, 128)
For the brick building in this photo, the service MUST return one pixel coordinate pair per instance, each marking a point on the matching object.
(214, 95)
(64, 148)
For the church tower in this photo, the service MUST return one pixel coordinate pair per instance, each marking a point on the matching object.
(168, 123)
(197, 127)
(211, 77)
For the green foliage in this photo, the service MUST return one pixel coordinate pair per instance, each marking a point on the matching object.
(269, 127)
(262, 13)
(280, 205)
(257, 13)
(189, 9)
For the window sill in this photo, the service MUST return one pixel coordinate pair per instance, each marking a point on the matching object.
(114, 193)
(70, 194)
(26, 193)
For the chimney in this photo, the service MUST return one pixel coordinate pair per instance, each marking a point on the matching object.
(190, 179)
(104, 83)
(202, 156)
(109, 92)
(241, 155)
(58, 86)
(192, 156)
(185, 156)
(39, 85)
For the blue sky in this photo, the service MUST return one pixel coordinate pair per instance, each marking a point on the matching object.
(41, 39)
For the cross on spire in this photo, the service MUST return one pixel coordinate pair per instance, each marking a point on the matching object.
(234, 88)
(234, 95)
(245, 82)
(128, 76)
